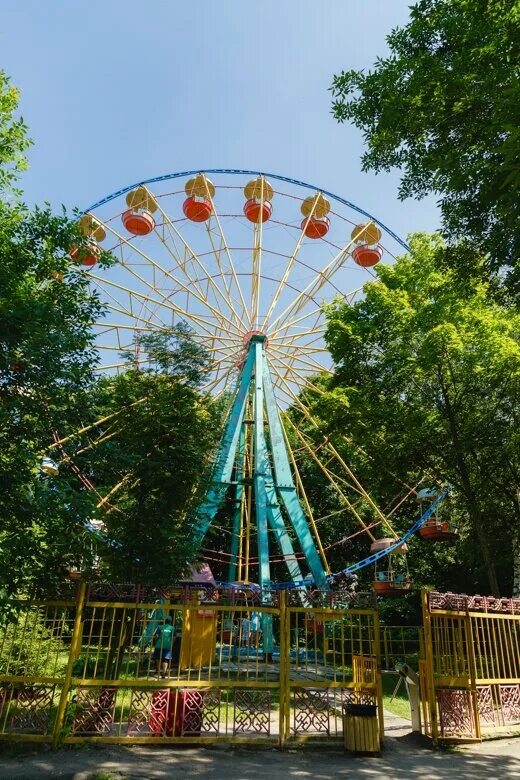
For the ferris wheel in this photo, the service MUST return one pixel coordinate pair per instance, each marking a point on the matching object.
(247, 261)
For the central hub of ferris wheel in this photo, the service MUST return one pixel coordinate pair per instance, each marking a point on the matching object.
(255, 335)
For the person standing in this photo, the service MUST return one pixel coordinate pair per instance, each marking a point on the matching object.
(163, 643)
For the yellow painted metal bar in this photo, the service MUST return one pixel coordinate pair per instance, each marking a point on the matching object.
(430, 679)
(256, 740)
(74, 647)
(30, 679)
(313, 683)
(497, 680)
(217, 682)
(284, 658)
(26, 737)
(379, 680)
(473, 675)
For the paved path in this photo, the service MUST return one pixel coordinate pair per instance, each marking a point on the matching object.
(404, 757)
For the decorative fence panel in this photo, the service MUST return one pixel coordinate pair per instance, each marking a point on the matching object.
(333, 652)
(470, 677)
(237, 665)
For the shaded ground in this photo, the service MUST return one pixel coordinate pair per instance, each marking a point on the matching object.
(404, 758)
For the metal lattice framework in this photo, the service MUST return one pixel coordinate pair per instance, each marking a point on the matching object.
(190, 252)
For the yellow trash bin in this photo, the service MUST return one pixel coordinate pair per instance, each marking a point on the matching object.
(361, 728)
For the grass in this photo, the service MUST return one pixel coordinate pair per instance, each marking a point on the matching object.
(399, 706)
(106, 776)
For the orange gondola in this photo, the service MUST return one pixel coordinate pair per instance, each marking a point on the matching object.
(314, 227)
(315, 224)
(139, 223)
(138, 219)
(367, 256)
(198, 205)
(391, 575)
(257, 212)
(257, 207)
(367, 252)
(436, 529)
(197, 209)
(89, 254)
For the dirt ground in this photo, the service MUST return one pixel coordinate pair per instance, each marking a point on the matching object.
(404, 757)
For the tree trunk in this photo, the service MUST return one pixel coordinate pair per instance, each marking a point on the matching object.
(478, 524)
(516, 566)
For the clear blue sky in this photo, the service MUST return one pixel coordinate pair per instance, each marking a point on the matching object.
(116, 91)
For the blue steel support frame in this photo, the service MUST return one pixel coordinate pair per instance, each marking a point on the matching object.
(261, 466)
(261, 470)
(223, 469)
(270, 489)
(237, 511)
(286, 487)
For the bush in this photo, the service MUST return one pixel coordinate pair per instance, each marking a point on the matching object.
(29, 648)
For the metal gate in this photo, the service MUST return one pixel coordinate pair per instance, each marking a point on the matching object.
(470, 675)
(83, 668)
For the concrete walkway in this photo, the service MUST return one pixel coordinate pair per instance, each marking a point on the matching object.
(403, 758)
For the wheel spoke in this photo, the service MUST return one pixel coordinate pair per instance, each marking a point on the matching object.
(321, 278)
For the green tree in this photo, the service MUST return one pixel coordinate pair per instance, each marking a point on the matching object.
(164, 428)
(427, 381)
(46, 369)
(172, 351)
(13, 135)
(151, 470)
(443, 108)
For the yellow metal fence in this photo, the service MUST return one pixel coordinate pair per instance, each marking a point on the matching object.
(470, 675)
(87, 668)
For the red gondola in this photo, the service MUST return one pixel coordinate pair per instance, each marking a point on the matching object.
(87, 255)
(197, 209)
(436, 529)
(367, 256)
(315, 227)
(391, 575)
(139, 222)
(256, 211)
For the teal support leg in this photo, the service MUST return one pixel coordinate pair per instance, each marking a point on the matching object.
(275, 496)
(277, 524)
(223, 469)
(261, 467)
(286, 487)
(237, 511)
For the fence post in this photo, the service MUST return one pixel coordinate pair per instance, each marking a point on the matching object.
(75, 644)
(385, 645)
(379, 676)
(430, 678)
(472, 674)
(284, 661)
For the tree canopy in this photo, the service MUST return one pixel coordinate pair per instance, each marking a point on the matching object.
(148, 462)
(442, 107)
(427, 382)
(13, 135)
(140, 482)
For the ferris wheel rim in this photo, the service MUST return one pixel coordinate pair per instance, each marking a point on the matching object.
(248, 172)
